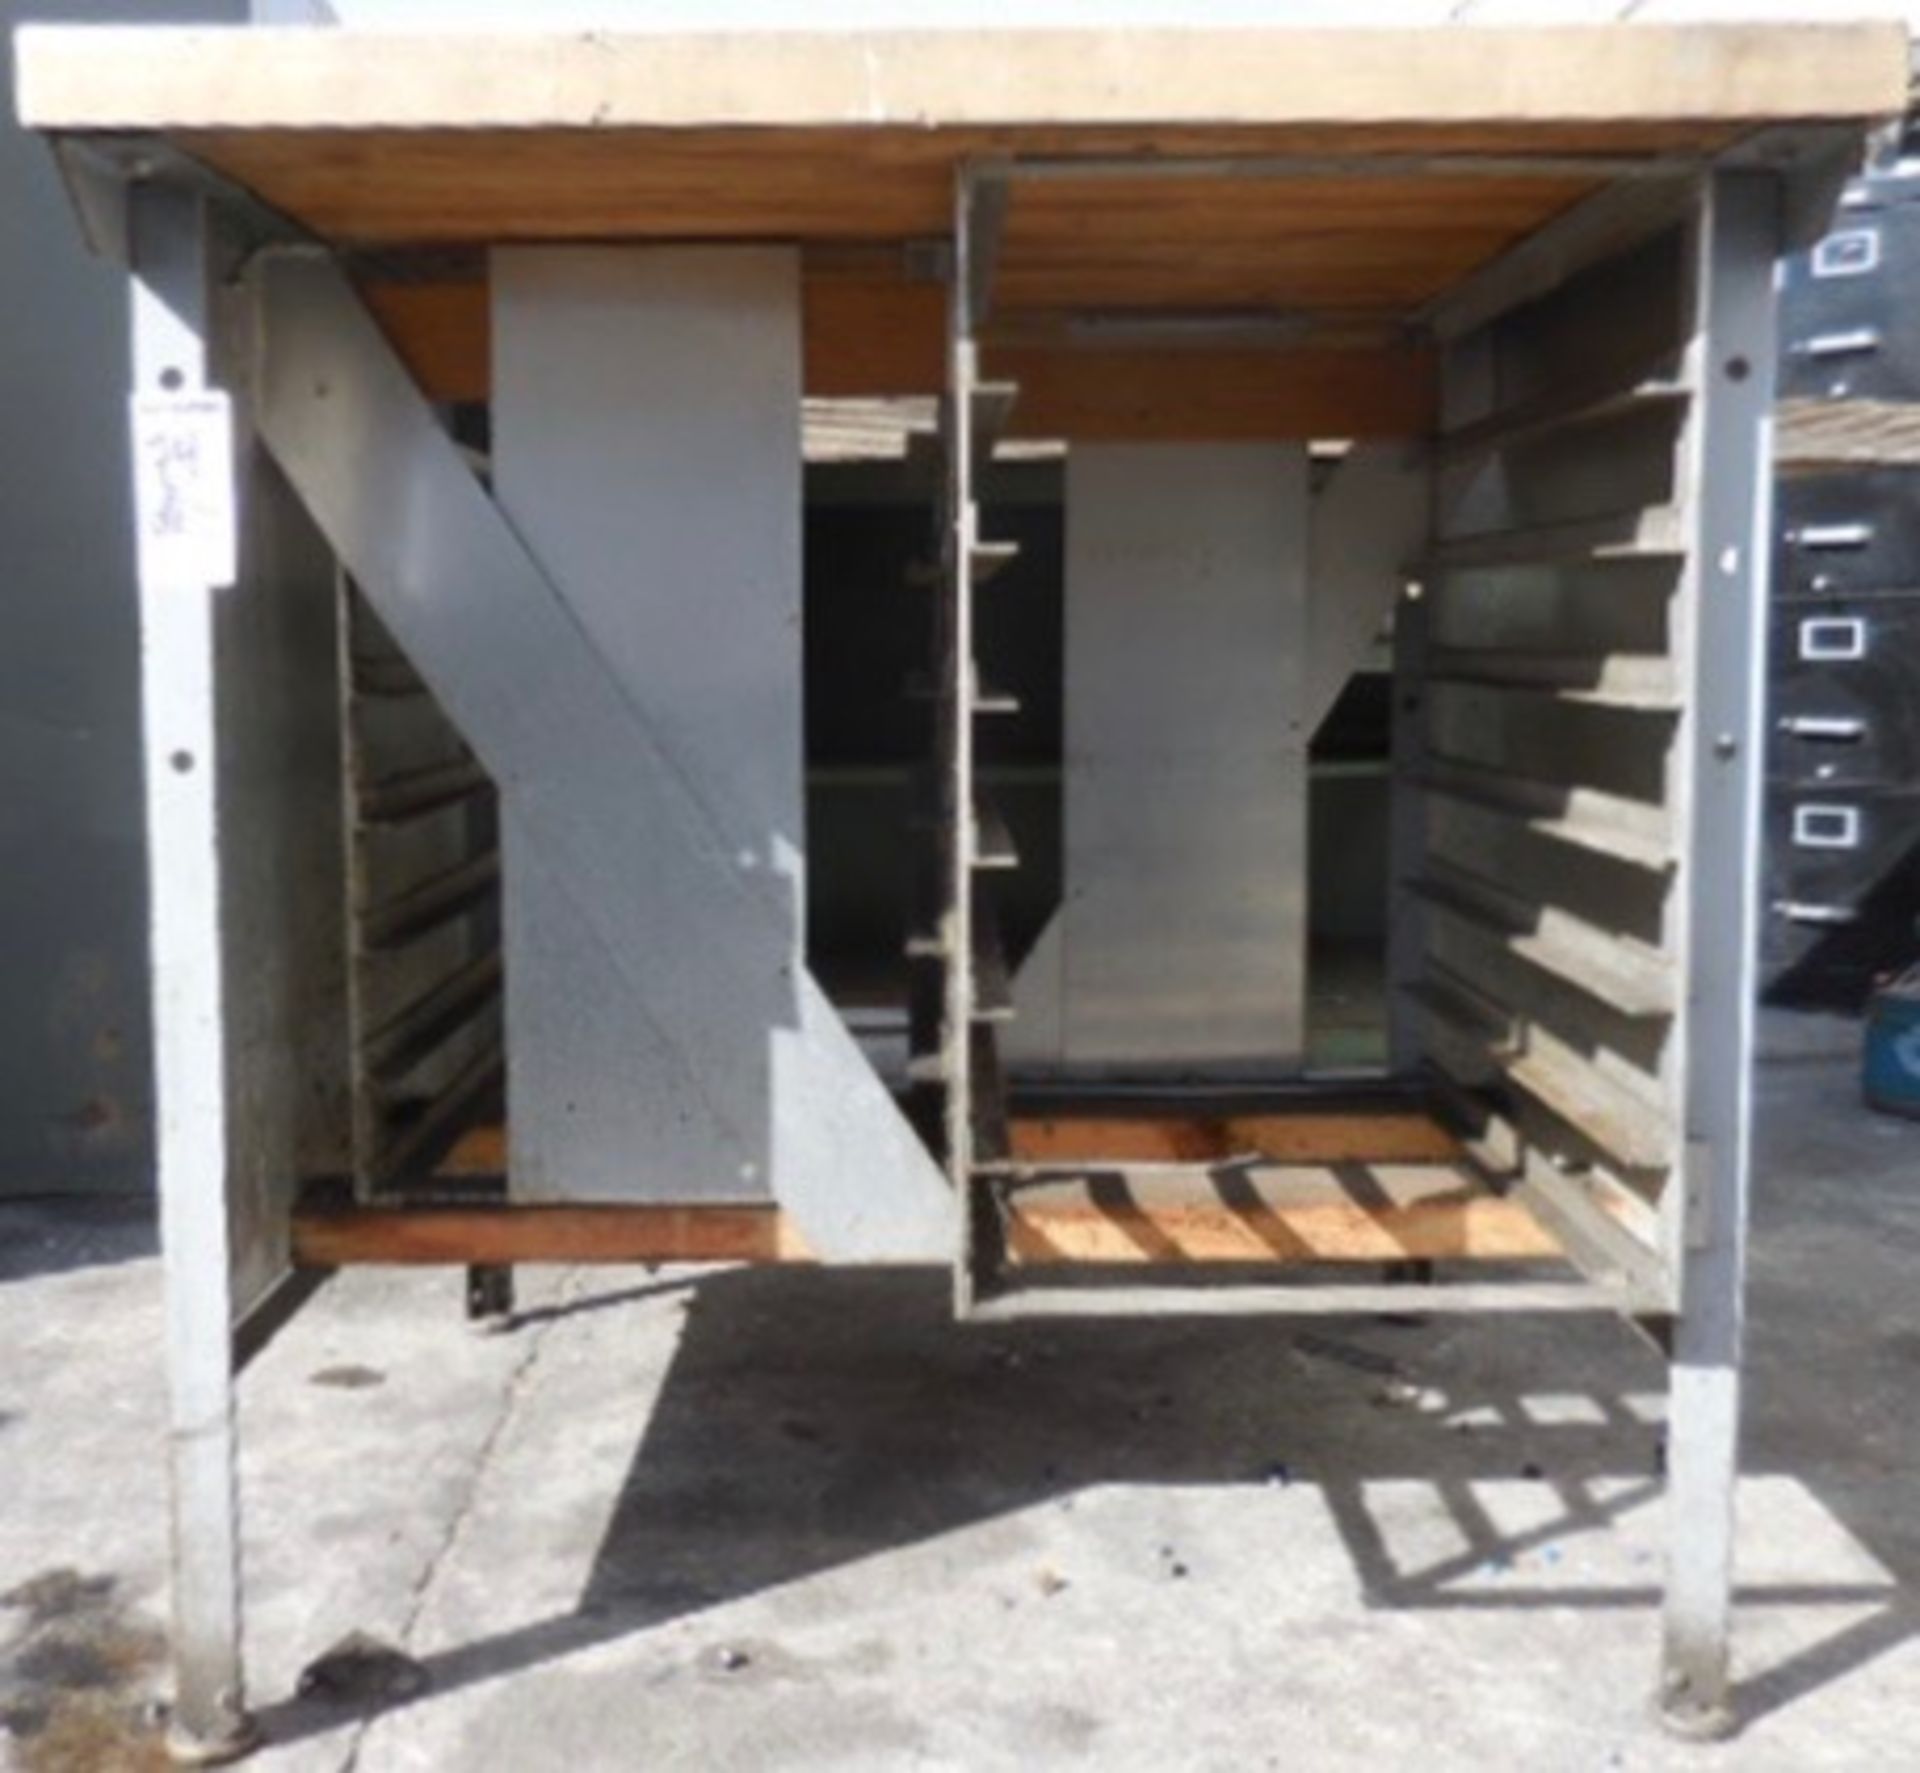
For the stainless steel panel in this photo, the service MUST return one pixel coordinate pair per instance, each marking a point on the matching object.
(579, 764)
(645, 447)
(1187, 720)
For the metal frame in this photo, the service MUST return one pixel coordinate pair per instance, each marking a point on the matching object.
(242, 781)
(1716, 524)
(1738, 239)
(361, 447)
(172, 250)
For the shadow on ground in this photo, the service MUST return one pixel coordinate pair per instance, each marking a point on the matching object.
(60, 1233)
(812, 1419)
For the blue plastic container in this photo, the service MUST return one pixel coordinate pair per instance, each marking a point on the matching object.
(1892, 1070)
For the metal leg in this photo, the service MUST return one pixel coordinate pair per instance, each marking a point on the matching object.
(186, 524)
(490, 1297)
(1733, 357)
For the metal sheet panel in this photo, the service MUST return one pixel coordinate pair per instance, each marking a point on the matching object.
(1184, 925)
(1368, 522)
(282, 864)
(646, 446)
(578, 760)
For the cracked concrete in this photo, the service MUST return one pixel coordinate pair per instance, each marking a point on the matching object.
(795, 1520)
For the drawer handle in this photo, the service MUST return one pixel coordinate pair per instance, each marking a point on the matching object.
(1798, 911)
(1832, 535)
(1839, 344)
(1824, 726)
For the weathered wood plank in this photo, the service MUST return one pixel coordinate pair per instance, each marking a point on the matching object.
(1308, 1137)
(454, 1236)
(176, 78)
(1350, 1212)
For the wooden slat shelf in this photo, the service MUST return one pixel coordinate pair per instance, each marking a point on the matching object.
(1630, 682)
(1588, 818)
(1655, 533)
(1593, 402)
(1267, 1214)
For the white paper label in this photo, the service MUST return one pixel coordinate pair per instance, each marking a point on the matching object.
(183, 488)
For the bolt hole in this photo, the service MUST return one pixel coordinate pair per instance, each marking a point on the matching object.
(182, 761)
(173, 379)
(1738, 369)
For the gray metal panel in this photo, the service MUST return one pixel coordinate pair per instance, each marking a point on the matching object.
(283, 857)
(1364, 525)
(600, 1103)
(1183, 932)
(576, 758)
(646, 415)
(1367, 522)
(1035, 1037)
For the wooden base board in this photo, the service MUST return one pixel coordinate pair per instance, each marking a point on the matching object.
(506, 1235)
(1304, 1187)
(1271, 1214)
(1275, 1214)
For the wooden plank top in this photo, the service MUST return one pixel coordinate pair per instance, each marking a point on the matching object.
(847, 143)
(252, 78)
(377, 139)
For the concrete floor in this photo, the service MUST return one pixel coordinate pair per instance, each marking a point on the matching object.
(798, 1520)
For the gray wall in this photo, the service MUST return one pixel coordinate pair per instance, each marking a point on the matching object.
(74, 1062)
